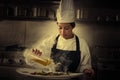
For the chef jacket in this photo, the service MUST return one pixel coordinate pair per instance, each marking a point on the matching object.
(62, 44)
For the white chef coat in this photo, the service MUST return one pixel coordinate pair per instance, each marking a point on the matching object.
(63, 44)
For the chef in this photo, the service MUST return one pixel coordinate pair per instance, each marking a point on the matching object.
(66, 49)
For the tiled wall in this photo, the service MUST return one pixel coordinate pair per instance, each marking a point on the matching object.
(29, 32)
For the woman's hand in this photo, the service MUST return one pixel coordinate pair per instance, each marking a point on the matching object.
(90, 72)
(36, 52)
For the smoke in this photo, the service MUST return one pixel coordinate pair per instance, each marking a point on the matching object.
(62, 61)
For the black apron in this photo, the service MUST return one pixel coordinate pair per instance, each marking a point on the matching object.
(69, 59)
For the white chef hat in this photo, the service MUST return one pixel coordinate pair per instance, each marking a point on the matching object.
(66, 12)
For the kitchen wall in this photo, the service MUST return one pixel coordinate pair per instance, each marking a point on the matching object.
(26, 33)
(29, 33)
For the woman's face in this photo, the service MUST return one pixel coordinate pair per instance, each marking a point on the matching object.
(65, 30)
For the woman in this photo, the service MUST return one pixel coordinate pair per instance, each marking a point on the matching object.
(67, 49)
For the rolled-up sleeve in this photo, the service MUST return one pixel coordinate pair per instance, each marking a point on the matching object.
(85, 62)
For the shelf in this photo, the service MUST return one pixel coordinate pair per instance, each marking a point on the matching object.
(26, 18)
(28, 10)
(33, 2)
